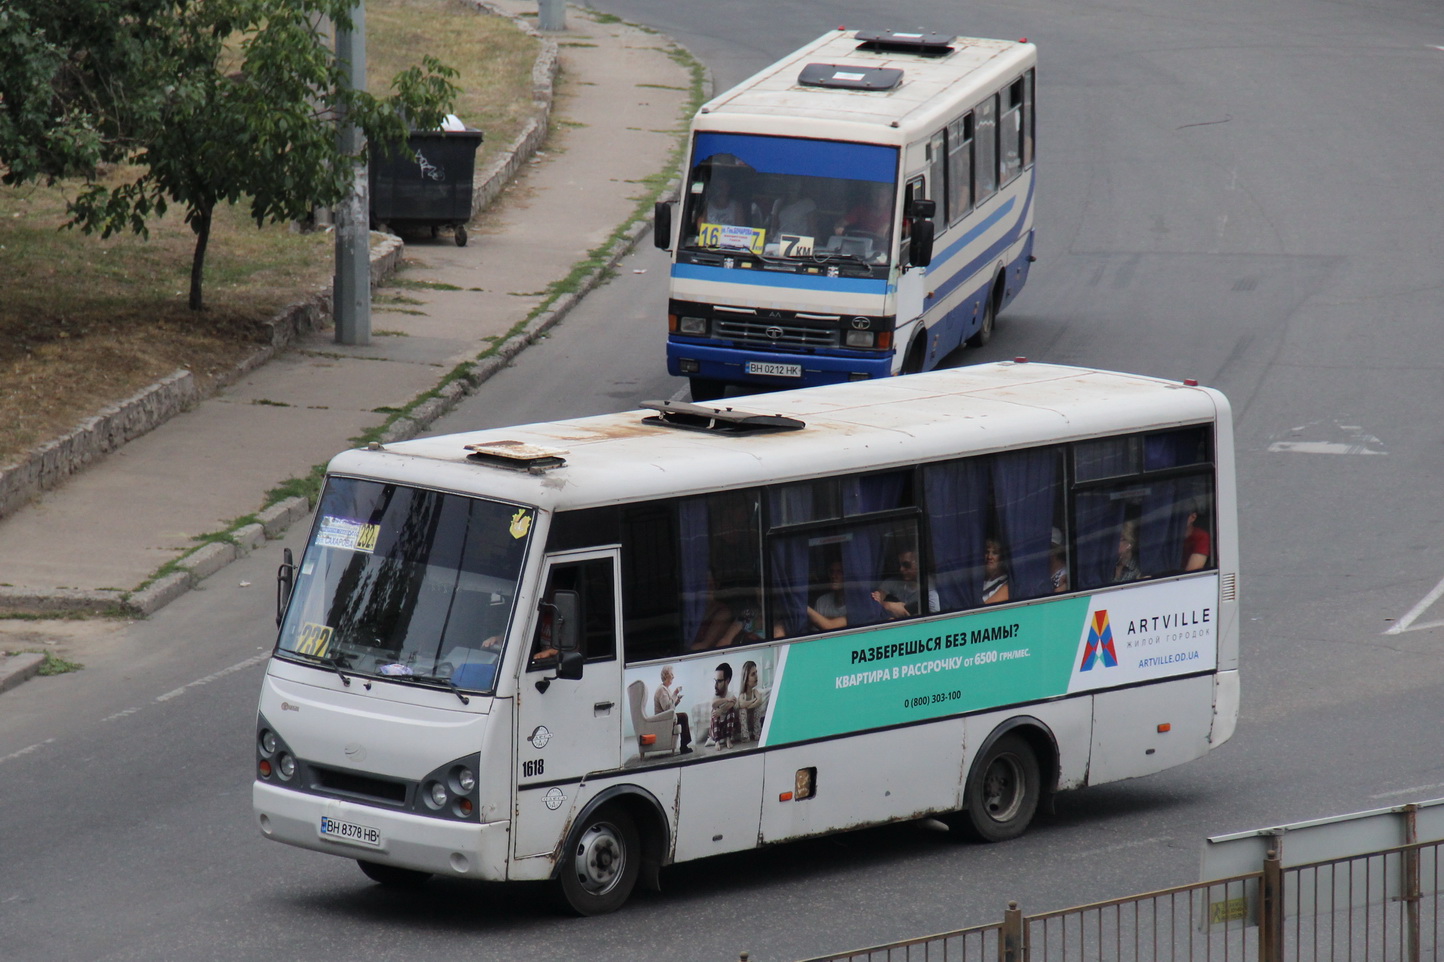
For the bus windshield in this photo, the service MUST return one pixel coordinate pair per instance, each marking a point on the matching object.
(789, 198)
(407, 584)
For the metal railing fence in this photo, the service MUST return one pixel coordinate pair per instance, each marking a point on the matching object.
(1382, 906)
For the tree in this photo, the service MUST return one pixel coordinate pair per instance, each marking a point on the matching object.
(212, 101)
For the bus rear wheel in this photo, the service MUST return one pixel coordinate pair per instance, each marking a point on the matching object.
(391, 876)
(601, 866)
(984, 333)
(1004, 787)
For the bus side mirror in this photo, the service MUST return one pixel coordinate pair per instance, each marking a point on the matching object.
(566, 620)
(662, 225)
(921, 209)
(569, 665)
(285, 582)
(920, 245)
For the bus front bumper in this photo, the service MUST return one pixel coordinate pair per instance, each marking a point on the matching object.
(442, 847)
(689, 357)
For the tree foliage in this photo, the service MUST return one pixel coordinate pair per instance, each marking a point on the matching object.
(210, 101)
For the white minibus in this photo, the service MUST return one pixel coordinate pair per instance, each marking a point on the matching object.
(584, 650)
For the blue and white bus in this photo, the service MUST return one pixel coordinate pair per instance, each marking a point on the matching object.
(860, 209)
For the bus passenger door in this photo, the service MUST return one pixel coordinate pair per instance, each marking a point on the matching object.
(911, 282)
(567, 728)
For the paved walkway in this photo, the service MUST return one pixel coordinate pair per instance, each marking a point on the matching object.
(97, 539)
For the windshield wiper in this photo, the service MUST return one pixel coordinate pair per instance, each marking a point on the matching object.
(336, 663)
(828, 254)
(434, 680)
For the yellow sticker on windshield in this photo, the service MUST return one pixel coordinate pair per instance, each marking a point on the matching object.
(520, 523)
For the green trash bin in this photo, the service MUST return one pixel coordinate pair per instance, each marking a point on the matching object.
(425, 184)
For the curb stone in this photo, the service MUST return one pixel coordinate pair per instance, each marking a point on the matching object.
(19, 667)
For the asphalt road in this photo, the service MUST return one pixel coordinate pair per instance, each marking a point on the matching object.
(1244, 194)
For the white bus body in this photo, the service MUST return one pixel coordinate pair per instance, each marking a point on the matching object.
(782, 276)
(701, 703)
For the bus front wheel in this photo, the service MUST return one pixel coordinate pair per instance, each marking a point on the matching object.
(601, 866)
(1003, 790)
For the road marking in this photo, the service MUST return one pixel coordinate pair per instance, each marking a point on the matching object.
(26, 751)
(1406, 623)
(124, 712)
(238, 666)
(1333, 437)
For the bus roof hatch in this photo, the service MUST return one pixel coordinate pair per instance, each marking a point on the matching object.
(849, 77)
(701, 417)
(928, 44)
(516, 455)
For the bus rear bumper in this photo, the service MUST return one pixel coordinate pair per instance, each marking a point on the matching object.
(442, 847)
(687, 357)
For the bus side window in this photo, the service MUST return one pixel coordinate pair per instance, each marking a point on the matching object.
(592, 581)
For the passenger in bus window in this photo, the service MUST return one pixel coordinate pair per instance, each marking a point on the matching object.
(829, 611)
(720, 625)
(543, 652)
(722, 724)
(1197, 545)
(900, 597)
(794, 211)
(869, 214)
(723, 205)
(1126, 568)
(995, 573)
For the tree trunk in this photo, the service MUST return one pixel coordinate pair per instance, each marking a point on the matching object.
(202, 227)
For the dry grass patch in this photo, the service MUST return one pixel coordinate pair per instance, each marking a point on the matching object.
(86, 322)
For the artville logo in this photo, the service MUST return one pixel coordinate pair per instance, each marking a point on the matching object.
(1100, 643)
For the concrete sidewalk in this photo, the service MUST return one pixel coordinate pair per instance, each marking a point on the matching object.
(98, 541)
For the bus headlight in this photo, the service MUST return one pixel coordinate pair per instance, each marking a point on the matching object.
(436, 795)
(695, 326)
(286, 766)
(860, 339)
(268, 743)
(465, 780)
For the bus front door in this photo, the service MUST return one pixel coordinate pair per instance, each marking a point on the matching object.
(567, 729)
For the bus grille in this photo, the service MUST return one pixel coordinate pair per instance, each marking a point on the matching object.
(359, 786)
(772, 334)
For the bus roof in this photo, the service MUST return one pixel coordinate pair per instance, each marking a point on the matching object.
(776, 93)
(863, 426)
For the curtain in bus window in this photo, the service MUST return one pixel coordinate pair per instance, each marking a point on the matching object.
(692, 556)
(1175, 449)
(1025, 484)
(721, 569)
(790, 585)
(1099, 516)
(957, 495)
(864, 553)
